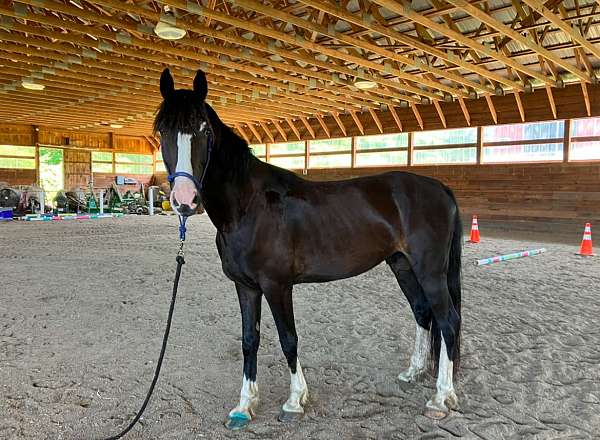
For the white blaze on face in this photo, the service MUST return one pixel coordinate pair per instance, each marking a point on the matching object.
(184, 190)
(298, 391)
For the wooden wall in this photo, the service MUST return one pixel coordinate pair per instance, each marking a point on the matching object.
(567, 192)
(18, 177)
(548, 192)
(77, 147)
(77, 168)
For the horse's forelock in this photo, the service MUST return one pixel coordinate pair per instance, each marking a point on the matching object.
(182, 112)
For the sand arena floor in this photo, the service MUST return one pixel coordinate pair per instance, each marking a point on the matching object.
(82, 310)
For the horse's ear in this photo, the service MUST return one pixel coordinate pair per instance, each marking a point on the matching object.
(200, 85)
(167, 86)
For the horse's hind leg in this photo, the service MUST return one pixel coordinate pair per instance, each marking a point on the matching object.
(447, 328)
(279, 298)
(421, 311)
(250, 305)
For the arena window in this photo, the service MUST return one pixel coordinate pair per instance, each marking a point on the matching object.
(259, 150)
(533, 142)
(330, 153)
(159, 164)
(440, 147)
(382, 150)
(17, 157)
(585, 139)
(129, 163)
(288, 155)
(102, 162)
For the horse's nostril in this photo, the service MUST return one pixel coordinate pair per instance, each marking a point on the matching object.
(185, 210)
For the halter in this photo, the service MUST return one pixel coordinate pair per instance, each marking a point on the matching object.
(197, 183)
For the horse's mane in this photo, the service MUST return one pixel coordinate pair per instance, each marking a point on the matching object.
(233, 152)
(183, 112)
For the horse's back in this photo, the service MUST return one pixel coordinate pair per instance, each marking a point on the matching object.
(345, 227)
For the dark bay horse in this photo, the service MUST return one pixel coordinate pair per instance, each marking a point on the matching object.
(275, 229)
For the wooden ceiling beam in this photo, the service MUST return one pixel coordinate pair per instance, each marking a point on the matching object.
(280, 130)
(290, 123)
(405, 11)
(396, 117)
(267, 131)
(241, 131)
(165, 48)
(255, 133)
(418, 116)
(376, 120)
(517, 36)
(284, 37)
(308, 126)
(440, 113)
(556, 20)
(357, 122)
(371, 25)
(337, 119)
(323, 125)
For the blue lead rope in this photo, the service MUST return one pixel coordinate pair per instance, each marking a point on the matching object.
(182, 228)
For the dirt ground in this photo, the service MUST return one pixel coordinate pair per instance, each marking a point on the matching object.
(82, 311)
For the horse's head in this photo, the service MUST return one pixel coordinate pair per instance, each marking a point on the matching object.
(185, 136)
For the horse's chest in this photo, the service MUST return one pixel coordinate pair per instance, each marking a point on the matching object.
(234, 260)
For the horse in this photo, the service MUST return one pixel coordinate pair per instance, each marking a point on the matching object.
(276, 229)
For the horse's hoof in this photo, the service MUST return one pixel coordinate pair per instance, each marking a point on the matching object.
(290, 417)
(237, 421)
(435, 414)
(409, 376)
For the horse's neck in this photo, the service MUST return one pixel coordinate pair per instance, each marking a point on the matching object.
(226, 197)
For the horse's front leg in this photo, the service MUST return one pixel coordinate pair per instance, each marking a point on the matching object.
(242, 414)
(279, 297)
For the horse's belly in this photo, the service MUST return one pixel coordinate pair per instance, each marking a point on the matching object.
(324, 267)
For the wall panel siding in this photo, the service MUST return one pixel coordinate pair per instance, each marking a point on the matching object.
(549, 191)
(77, 168)
(18, 177)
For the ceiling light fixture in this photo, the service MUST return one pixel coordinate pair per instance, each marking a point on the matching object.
(364, 84)
(30, 85)
(166, 27)
(116, 125)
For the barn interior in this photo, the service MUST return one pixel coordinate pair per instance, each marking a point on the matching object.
(498, 99)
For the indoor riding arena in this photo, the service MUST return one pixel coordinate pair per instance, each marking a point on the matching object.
(299, 219)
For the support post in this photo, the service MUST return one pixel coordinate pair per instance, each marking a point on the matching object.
(409, 153)
(151, 200)
(479, 144)
(567, 141)
(42, 202)
(306, 156)
(101, 201)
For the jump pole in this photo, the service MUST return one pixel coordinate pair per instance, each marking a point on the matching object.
(101, 201)
(498, 258)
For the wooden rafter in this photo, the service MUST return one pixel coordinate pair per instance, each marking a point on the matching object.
(323, 125)
(357, 122)
(417, 114)
(396, 118)
(279, 61)
(290, 123)
(376, 120)
(339, 122)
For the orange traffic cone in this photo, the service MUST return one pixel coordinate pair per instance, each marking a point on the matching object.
(586, 243)
(474, 231)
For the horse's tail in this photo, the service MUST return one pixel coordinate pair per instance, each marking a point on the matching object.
(454, 287)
